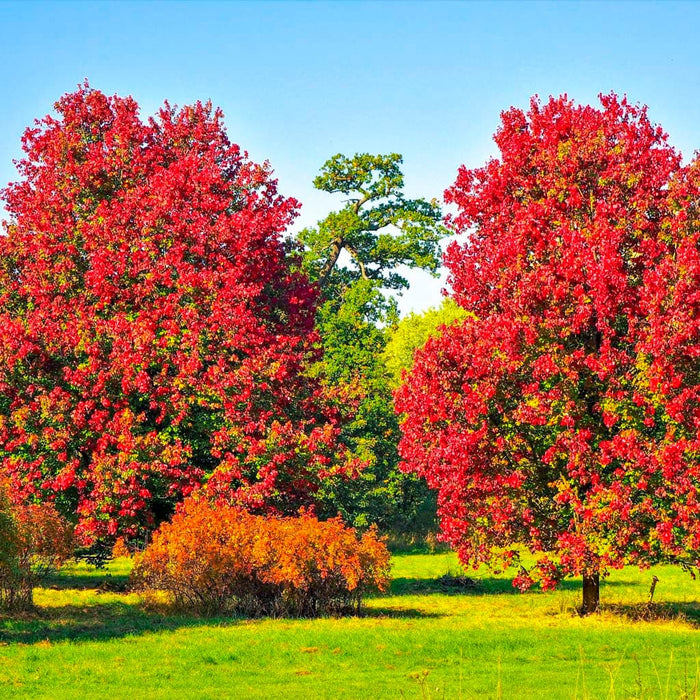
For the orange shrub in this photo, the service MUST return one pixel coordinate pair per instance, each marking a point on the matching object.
(221, 558)
(120, 549)
(33, 540)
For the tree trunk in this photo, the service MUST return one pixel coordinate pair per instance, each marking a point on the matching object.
(336, 248)
(591, 593)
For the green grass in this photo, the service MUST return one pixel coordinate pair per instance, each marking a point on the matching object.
(89, 639)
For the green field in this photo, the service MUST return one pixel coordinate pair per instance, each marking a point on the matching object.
(89, 640)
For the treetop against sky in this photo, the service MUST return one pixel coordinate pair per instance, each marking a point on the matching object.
(299, 82)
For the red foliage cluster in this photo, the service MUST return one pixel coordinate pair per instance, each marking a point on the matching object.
(153, 335)
(563, 416)
(33, 540)
(220, 557)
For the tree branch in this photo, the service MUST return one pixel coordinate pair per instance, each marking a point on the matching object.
(335, 248)
(359, 203)
(356, 258)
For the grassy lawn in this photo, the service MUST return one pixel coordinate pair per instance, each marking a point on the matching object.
(88, 640)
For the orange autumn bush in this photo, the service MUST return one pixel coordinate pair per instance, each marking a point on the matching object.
(219, 558)
(34, 539)
(120, 549)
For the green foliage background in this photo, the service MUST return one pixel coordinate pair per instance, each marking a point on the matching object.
(356, 255)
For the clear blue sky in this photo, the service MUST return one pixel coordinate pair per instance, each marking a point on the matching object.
(299, 82)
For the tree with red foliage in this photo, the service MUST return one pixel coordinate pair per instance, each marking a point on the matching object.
(153, 336)
(561, 416)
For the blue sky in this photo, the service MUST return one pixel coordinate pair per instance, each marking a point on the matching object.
(301, 81)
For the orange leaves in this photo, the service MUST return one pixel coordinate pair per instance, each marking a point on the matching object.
(33, 540)
(219, 557)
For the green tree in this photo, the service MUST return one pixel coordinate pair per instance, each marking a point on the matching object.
(356, 256)
(378, 228)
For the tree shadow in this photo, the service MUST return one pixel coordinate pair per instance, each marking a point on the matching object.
(117, 619)
(99, 580)
(464, 585)
(444, 586)
(398, 613)
(688, 613)
(91, 623)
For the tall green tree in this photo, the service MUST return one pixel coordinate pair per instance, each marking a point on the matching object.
(356, 256)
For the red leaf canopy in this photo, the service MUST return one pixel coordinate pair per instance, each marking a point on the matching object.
(152, 333)
(562, 416)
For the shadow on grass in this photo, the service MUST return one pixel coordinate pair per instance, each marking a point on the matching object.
(688, 613)
(464, 585)
(115, 620)
(99, 580)
(398, 613)
(92, 623)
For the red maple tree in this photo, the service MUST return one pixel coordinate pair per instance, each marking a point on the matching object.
(153, 335)
(562, 416)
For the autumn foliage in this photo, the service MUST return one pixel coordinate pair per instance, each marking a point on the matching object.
(563, 415)
(153, 336)
(34, 539)
(216, 558)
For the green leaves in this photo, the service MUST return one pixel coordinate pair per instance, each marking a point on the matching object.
(356, 256)
(373, 177)
(378, 230)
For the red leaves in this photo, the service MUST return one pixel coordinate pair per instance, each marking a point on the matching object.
(152, 333)
(565, 417)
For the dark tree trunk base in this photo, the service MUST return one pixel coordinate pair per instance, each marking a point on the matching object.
(591, 594)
